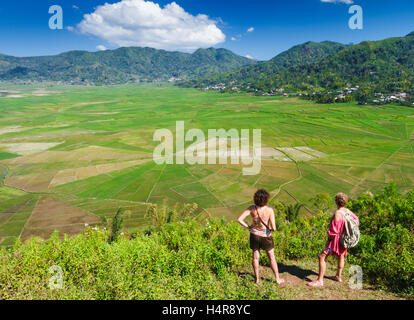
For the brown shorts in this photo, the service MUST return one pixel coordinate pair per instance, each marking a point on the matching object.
(261, 243)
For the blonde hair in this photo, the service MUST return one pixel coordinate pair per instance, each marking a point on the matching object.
(341, 199)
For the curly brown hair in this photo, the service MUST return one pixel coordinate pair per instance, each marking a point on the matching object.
(341, 200)
(261, 198)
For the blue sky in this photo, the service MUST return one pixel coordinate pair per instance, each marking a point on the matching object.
(278, 25)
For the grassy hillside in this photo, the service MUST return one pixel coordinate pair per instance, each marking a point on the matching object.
(120, 66)
(211, 259)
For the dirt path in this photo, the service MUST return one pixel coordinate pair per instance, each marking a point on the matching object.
(298, 273)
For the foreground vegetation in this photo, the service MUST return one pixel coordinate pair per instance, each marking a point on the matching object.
(210, 259)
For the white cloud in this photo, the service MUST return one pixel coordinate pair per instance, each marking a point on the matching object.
(101, 48)
(250, 29)
(249, 57)
(233, 39)
(146, 24)
(70, 28)
(339, 1)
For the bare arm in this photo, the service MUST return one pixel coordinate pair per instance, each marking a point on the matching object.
(333, 227)
(244, 217)
(272, 221)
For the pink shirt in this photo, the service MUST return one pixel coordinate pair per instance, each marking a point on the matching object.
(336, 229)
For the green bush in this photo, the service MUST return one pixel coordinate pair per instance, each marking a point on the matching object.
(189, 259)
(386, 250)
(185, 260)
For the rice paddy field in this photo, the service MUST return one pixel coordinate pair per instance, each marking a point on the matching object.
(72, 155)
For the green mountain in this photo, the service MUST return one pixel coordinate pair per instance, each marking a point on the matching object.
(377, 66)
(306, 53)
(385, 65)
(121, 65)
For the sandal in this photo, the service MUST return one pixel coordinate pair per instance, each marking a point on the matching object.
(336, 278)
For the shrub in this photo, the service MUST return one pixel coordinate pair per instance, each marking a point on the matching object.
(189, 259)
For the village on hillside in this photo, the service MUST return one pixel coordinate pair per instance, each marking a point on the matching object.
(340, 96)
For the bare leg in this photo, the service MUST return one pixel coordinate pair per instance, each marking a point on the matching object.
(322, 270)
(341, 266)
(273, 265)
(255, 263)
(322, 267)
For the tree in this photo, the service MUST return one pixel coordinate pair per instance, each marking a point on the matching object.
(362, 96)
(161, 215)
(292, 211)
(116, 227)
(322, 201)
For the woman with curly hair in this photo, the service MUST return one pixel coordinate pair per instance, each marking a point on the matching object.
(261, 232)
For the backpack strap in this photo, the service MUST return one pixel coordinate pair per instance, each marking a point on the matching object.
(344, 214)
(265, 224)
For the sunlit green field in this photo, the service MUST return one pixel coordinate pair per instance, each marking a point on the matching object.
(71, 155)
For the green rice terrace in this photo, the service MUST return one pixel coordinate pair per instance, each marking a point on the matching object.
(71, 156)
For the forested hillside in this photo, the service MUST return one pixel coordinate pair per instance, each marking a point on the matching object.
(386, 65)
(298, 55)
(377, 66)
(120, 66)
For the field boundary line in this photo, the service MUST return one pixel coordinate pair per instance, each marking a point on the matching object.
(70, 204)
(309, 210)
(373, 171)
(185, 184)
(260, 177)
(411, 137)
(25, 191)
(27, 221)
(221, 189)
(214, 196)
(402, 175)
(369, 132)
(66, 225)
(406, 131)
(412, 149)
(130, 183)
(289, 182)
(109, 199)
(11, 214)
(181, 195)
(155, 185)
(350, 152)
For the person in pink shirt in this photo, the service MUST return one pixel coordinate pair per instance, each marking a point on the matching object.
(333, 246)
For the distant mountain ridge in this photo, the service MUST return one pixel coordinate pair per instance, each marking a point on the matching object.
(305, 53)
(383, 65)
(121, 65)
(380, 66)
